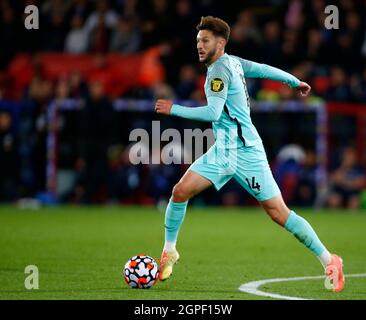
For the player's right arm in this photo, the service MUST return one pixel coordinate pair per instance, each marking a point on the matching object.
(211, 112)
(218, 80)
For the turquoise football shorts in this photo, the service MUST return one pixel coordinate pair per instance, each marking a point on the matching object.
(247, 165)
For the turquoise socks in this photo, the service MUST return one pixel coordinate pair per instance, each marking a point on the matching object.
(303, 232)
(174, 216)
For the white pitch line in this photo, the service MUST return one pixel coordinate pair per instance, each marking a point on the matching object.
(252, 287)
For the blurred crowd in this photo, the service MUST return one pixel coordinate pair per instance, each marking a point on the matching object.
(295, 171)
(94, 164)
(93, 153)
(286, 34)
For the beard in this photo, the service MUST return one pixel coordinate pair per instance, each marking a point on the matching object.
(209, 56)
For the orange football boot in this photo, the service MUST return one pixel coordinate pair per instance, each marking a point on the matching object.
(334, 273)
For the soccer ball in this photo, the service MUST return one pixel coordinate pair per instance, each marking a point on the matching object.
(141, 272)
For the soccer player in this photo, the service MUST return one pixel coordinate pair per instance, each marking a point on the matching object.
(238, 150)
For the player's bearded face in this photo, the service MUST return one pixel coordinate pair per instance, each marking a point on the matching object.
(209, 55)
(206, 46)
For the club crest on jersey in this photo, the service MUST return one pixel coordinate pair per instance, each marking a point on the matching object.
(217, 85)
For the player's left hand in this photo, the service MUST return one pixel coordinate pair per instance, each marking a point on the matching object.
(304, 88)
(163, 106)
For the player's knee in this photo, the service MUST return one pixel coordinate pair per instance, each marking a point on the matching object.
(180, 193)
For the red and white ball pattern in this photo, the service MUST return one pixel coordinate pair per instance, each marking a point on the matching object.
(141, 272)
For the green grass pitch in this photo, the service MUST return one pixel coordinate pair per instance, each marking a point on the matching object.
(80, 252)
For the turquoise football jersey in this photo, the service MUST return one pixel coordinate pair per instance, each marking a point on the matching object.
(226, 79)
(228, 101)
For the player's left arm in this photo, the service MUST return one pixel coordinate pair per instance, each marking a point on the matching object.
(258, 70)
(304, 88)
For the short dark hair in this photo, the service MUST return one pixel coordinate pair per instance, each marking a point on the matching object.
(218, 26)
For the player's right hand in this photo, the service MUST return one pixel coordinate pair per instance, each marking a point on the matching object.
(163, 106)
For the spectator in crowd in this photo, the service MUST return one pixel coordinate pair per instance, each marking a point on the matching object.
(51, 7)
(187, 84)
(5, 86)
(62, 90)
(101, 72)
(292, 51)
(339, 89)
(131, 8)
(96, 136)
(77, 38)
(66, 124)
(78, 87)
(81, 8)
(162, 90)
(126, 37)
(124, 178)
(272, 43)
(245, 36)
(39, 95)
(347, 57)
(355, 28)
(294, 17)
(54, 33)
(316, 50)
(99, 37)
(162, 177)
(287, 167)
(246, 21)
(346, 182)
(184, 19)
(359, 86)
(156, 24)
(363, 49)
(305, 191)
(241, 42)
(9, 159)
(8, 32)
(102, 13)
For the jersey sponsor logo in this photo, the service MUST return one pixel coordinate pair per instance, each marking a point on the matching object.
(217, 85)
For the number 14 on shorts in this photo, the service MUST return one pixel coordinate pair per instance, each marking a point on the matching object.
(253, 185)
